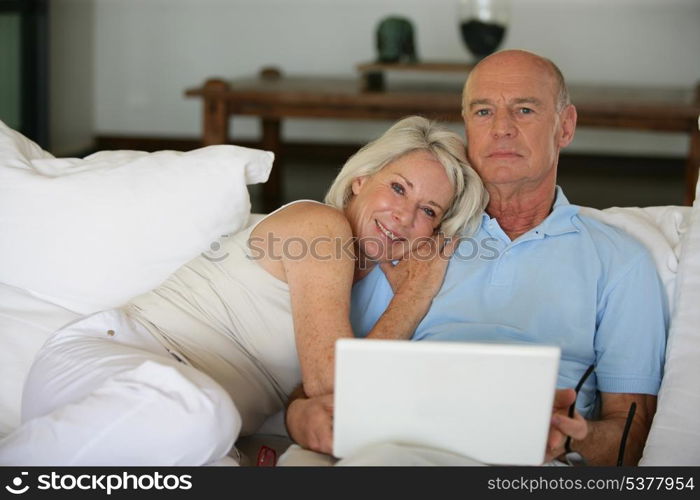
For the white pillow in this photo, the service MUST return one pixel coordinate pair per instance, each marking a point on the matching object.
(16, 150)
(89, 234)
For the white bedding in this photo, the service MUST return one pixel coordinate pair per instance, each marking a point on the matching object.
(82, 235)
(26, 321)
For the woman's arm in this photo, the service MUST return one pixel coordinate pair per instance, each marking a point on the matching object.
(415, 280)
(315, 243)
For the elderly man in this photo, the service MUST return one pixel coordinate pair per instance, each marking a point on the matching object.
(552, 276)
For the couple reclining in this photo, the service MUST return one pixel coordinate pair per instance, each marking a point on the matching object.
(177, 375)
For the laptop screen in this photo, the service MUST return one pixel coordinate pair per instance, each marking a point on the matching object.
(489, 402)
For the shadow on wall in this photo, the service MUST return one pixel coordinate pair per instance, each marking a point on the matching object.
(72, 82)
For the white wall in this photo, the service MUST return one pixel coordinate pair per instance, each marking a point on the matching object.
(147, 52)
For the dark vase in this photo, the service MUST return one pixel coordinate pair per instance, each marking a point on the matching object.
(483, 25)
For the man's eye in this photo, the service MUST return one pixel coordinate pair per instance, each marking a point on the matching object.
(526, 111)
(397, 187)
(482, 112)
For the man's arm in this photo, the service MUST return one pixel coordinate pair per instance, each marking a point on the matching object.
(602, 445)
(629, 343)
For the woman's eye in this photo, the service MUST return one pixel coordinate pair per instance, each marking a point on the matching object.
(397, 187)
(429, 212)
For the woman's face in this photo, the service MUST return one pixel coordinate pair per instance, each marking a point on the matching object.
(398, 207)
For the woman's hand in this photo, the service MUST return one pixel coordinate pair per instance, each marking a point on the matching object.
(310, 423)
(421, 273)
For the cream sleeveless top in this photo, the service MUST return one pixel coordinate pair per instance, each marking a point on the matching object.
(231, 319)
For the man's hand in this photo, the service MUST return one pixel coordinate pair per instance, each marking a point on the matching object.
(562, 425)
(310, 423)
(424, 269)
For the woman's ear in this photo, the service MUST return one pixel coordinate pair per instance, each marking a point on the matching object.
(357, 184)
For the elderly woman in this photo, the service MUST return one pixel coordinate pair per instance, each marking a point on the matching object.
(179, 373)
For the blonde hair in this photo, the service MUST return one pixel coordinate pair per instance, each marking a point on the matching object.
(416, 133)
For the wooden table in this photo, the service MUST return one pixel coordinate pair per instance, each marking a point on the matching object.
(273, 97)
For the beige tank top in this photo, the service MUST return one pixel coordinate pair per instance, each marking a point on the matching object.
(228, 317)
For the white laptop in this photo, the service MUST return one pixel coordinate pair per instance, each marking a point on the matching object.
(489, 402)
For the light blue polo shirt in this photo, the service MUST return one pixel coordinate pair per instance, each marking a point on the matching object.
(572, 282)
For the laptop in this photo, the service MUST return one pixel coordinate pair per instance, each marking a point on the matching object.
(489, 402)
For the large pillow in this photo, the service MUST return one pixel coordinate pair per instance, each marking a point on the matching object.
(89, 234)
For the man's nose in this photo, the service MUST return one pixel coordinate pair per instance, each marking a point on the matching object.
(502, 124)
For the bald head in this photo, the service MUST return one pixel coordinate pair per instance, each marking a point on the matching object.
(520, 61)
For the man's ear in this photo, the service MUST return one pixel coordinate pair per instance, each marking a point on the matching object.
(357, 184)
(568, 118)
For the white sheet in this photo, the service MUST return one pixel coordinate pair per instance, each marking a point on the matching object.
(25, 323)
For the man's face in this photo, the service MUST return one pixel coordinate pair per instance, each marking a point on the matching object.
(514, 131)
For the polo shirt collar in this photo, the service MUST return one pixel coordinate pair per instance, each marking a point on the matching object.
(558, 222)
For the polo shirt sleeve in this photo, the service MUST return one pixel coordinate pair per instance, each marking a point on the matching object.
(369, 299)
(632, 321)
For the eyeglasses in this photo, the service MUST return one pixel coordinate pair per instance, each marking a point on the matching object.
(623, 440)
(574, 458)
